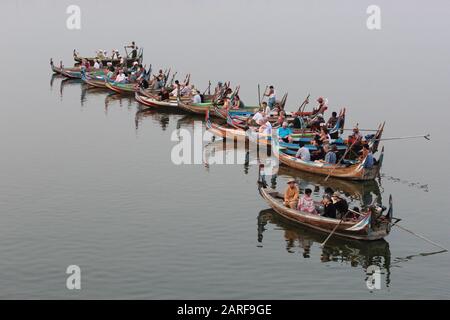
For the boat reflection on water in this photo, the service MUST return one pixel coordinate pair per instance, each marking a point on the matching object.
(236, 152)
(161, 116)
(337, 250)
(118, 98)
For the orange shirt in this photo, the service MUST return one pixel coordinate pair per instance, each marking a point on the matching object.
(291, 194)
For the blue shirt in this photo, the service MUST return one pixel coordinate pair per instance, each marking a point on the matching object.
(369, 161)
(330, 157)
(284, 132)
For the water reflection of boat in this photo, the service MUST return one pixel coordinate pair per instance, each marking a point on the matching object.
(340, 250)
(116, 97)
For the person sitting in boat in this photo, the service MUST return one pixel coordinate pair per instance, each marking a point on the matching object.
(303, 153)
(318, 153)
(96, 64)
(176, 88)
(143, 83)
(115, 53)
(355, 136)
(266, 109)
(164, 94)
(281, 118)
(330, 156)
(329, 209)
(331, 123)
(321, 107)
(121, 77)
(272, 97)
(284, 133)
(101, 54)
(237, 102)
(367, 157)
(341, 205)
(291, 194)
(218, 88)
(258, 118)
(266, 127)
(324, 136)
(306, 202)
(196, 98)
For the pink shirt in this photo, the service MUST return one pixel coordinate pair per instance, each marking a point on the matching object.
(306, 204)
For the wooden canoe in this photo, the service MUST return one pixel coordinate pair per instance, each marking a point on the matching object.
(115, 62)
(153, 102)
(354, 171)
(122, 88)
(367, 228)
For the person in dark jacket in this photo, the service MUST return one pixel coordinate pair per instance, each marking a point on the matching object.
(340, 204)
(329, 210)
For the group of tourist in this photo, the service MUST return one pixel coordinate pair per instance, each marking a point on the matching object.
(333, 204)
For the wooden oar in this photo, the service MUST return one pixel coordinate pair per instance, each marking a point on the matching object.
(342, 158)
(259, 95)
(264, 94)
(208, 89)
(426, 136)
(304, 103)
(421, 237)
(332, 232)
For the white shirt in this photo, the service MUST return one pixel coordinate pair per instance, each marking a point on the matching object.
(197, 99)
(120, 77)
(267, 111)
(96, 65)
(303, 153)
(258, 117)
(268, 129)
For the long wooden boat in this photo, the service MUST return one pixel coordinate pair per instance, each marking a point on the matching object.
(372, 224)
(236, 133)
(346, 170)
(153, 102)
(122, 88)
(61, 69)
(115, 62)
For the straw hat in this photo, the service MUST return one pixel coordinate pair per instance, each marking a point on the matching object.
(291, 180)
(337, 194)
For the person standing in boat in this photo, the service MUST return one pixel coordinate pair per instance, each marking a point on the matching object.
(291, 194)
(306, 202)
(272, 97)
(134, 49)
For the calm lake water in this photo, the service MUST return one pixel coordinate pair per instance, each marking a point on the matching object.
(86, 179)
